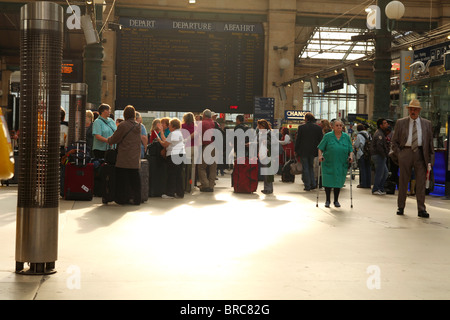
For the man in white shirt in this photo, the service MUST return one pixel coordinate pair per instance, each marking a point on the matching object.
(413, 144)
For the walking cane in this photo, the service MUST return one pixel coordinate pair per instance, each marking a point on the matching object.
(318, 188)
(351, 177)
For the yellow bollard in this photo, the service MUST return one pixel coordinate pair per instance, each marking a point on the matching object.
(6, 151)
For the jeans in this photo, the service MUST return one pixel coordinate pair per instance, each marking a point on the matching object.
(308, 172)
(381, 172)
(365, 175)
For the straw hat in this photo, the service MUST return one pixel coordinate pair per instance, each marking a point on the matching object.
(414, 104)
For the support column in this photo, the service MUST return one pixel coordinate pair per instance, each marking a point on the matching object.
(382, 66)
(93, 60)
(281, 33)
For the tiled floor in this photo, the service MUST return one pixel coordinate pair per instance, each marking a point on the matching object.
(224, 245)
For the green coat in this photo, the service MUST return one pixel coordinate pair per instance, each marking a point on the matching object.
(335, 153)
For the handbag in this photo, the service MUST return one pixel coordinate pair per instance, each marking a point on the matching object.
(111, 156)
(296, 167)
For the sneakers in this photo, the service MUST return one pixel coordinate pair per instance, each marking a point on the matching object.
(379, 193)
(165, 196)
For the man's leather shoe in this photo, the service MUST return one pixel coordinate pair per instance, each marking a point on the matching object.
(424, 214)
(400, 211)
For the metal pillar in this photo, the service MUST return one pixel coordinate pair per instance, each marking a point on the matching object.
(93, 60)
(77, 112)
(41, 47)
(382, 67)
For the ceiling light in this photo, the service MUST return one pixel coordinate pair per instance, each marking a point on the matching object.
(192, 1)
(410, 49)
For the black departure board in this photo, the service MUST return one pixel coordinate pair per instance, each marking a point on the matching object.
(169, 65)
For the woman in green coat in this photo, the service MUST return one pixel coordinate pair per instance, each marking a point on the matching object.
(335, 152)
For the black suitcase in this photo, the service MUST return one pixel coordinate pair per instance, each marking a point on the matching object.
(144, 173)
(390, 186)
(98, 182)
(286, 175)
(108, 178)
(157, 179)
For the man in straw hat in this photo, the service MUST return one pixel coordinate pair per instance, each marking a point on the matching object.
(413, 144)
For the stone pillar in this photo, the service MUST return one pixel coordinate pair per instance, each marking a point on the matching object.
(281, 34)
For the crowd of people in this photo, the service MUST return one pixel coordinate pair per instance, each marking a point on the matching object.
(316, 143)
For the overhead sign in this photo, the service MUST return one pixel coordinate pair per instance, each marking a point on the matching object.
(357, 117)
(334, 83)
(264, 109)
(435, 53)
(295, 114)
(175, 65)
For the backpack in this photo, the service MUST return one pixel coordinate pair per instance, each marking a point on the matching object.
(367, 146)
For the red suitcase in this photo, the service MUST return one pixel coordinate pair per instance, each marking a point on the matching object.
(79, 182)
(245, 176)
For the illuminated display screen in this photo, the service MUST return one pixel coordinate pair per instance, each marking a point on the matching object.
(168, 65)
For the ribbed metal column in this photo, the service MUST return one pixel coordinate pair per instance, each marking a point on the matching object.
(41, 45)
(77, 112)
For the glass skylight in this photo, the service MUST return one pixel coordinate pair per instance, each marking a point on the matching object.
(335, 43)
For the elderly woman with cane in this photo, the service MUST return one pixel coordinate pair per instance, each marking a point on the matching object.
(335, 152)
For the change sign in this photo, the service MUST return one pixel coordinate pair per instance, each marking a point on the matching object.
(295, 114)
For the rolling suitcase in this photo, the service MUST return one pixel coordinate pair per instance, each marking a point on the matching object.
(390, 186)
(157, 180)
(78, 182)
(79, 175)
(144, 173)
(107, 174)
(245, 177)
(286, 175)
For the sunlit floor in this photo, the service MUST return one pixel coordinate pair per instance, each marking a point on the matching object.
(224, 245)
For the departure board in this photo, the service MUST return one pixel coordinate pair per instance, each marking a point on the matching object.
(169, 65)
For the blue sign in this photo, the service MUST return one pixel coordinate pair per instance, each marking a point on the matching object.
(435, 53)
(295, 114)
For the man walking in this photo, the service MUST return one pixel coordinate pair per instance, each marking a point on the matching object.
(380, 152)
(413, 144)
(309, 136)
